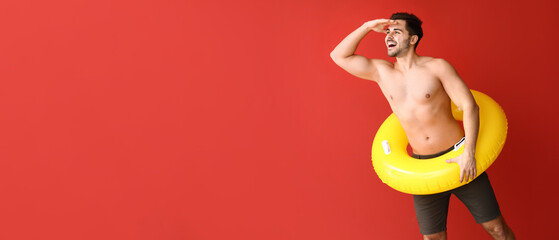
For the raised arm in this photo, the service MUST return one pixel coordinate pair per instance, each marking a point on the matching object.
(360, 66)
(460, 94)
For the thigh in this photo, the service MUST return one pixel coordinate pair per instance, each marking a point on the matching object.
(431, 212)
(479, 198)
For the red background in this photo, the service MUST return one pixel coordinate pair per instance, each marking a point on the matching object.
(228, 120)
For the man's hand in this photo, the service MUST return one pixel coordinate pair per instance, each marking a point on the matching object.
(379, 25)
(467, 163)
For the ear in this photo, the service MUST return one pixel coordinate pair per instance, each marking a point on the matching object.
(414, 39)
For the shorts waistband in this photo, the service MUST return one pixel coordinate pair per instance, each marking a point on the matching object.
(454, 147)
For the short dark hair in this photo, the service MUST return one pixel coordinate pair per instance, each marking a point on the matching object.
(413, 24)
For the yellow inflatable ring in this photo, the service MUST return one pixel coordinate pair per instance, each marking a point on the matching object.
(398, 170)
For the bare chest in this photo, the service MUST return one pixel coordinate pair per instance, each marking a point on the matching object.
(413, 88)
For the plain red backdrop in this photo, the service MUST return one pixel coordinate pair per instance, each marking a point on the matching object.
(227, 119)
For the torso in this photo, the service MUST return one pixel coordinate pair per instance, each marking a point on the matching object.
(419, 101)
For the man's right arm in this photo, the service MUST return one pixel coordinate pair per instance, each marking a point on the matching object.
(345, 57)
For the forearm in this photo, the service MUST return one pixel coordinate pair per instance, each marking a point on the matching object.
(346, 48)
(471, 128)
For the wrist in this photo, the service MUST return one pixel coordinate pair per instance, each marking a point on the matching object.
(366, 27)
(468, 152)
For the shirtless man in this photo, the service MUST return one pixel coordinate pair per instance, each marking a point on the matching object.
(419, 90)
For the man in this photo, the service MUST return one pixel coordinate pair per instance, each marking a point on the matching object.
(419, 90)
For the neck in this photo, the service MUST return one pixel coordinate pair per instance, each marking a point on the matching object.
(407, 60)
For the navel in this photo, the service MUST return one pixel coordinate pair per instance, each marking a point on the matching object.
(391, 98)
(427, 95)
(427, 138)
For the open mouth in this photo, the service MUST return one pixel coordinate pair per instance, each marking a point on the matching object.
(391, 44)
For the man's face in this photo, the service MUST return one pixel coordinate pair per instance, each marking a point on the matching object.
(397, 38)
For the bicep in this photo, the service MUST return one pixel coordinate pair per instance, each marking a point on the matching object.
(360, 66)
(455, 87)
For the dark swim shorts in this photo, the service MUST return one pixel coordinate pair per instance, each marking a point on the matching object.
(478, 196)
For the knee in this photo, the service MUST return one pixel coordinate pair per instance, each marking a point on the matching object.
(498, 231)
(436, 236)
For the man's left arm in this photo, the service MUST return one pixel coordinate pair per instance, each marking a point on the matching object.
(460, 94)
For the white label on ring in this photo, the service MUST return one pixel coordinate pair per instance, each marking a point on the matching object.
(459, 144)
(386, 147)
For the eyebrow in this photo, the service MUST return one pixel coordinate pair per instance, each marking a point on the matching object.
(394, 29)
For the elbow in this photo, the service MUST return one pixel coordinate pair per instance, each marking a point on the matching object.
(337, 58)
(469, 107)
(334, 56)
(472, 108)
(475, 107)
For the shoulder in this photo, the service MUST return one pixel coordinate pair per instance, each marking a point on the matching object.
(384, 69)
(435, 62)
(438, 65)
(381, 63)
